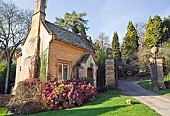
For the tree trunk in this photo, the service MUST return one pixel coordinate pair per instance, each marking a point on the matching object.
(8, 67)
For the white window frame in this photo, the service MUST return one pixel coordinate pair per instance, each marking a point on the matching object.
(62, 64)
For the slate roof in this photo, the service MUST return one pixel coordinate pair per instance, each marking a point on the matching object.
(68, 37)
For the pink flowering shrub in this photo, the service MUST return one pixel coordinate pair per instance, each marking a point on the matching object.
(67, 94)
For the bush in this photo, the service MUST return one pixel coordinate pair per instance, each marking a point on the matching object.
(67, 94)
(89, 80)
(34, 96)
(27, 98)
(3, 75)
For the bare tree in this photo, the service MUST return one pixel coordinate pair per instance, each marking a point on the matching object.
(141, 30)
(14, 24)
(103, 40)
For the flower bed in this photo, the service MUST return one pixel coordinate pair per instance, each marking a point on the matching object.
(35, 96)
(67, 94)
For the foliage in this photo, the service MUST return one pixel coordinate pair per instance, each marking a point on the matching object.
(143, 58)
(33, 95)
(167, 78)
(129, 50)
(129, 67)
(149, 37)
(2, 77)
(89, 80)
(100, 61)
(14, 24)
(4, 112)
(2, 57)
(67, 94)
(166, 23)
(27, 98)
(3, 74)
(164, 52)
(74, 22)
(155, 31)
(100, 45)
(130, 42)
(111, 103)
(43, 66)
(115, 46)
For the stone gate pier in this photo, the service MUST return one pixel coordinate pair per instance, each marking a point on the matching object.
(156, 68)
(160, 73)
(110, 70)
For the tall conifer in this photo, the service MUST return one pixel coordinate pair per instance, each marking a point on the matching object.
(154, 32)
(130, 42)
(115, 46)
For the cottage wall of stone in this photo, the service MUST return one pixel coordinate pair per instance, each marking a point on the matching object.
(45, 39)
(60, 52)
(18, 71)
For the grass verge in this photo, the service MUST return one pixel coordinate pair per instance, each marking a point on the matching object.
(3, 111)
(111, 103)
(146, 84)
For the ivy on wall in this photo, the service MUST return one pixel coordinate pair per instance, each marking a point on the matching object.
(43, 66)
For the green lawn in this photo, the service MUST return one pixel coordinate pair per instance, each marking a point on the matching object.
(3, 111)
(111, 103)
(146, 84)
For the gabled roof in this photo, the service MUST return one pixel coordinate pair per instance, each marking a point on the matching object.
(68, 37)
(83, 59)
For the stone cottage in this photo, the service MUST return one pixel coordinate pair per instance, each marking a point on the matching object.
(51, 50)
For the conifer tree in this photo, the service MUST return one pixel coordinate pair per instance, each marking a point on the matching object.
(166, 24)
(129, 50)
(130, 42)
(115, 46)
(154, 32)
(149, 40)
(74, 22)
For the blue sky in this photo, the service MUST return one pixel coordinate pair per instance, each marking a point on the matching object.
(104, 15)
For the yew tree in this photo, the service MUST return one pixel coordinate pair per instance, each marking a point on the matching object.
(14, 24)
(115, 46)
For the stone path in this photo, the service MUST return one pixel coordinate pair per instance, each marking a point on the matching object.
(158, 103)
